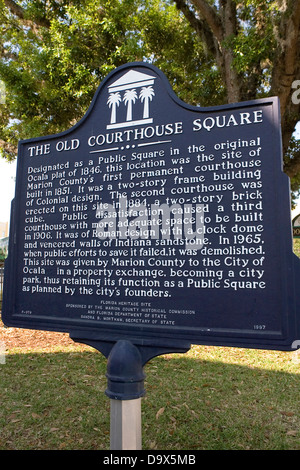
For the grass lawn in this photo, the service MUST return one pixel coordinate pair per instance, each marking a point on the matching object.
(212, 398)
(297, 246)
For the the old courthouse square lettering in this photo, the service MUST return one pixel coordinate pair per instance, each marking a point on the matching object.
(153, 220)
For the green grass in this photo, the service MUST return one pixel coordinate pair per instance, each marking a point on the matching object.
(297, 246)
(53, 401)
(211, 398)
(224, 398)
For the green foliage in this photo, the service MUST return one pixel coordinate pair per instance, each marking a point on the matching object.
(171, 44)
(254, 44)
(293, 151)
(51, 73)
(3, 255)
(53, 60)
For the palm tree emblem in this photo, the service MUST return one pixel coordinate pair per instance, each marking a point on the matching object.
(132, 92)
(146, 95)
(113, 101)
(129, 97)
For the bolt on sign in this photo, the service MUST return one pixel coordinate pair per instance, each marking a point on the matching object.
(153, 219)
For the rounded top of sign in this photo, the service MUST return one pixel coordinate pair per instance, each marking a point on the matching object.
(138, 73)
(134, 83)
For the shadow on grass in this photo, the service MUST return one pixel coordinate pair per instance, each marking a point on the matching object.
(57, 401)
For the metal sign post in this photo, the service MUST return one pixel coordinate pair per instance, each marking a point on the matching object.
(125, 388)
(125, 424)
(125, 383)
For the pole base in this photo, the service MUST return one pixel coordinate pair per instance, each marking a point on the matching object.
(125, 424)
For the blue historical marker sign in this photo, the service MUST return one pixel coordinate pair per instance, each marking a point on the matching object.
(153, 220)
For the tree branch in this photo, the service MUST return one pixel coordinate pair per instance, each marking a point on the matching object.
(15, 8)
(287, 58)
(21, 14)
(292, 167)
(210, 15)
(10, 149)
(201, 28)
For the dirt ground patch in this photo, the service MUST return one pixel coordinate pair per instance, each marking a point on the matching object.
(19, 338)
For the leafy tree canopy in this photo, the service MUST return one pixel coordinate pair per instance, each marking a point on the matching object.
(54, 54)
(255, 44)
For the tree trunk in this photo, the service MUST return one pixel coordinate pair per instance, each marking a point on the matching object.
(286, 69)
(232, 79)
(217, 26)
